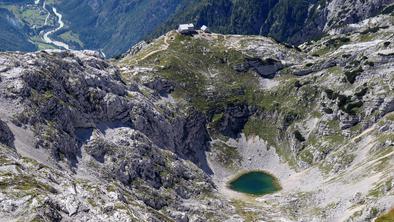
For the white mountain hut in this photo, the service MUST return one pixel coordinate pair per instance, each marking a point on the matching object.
(186, 28)
(205, 29)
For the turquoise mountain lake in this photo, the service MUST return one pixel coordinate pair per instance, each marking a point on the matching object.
(255, 183)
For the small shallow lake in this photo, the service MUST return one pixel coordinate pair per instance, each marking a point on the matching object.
(255, 183)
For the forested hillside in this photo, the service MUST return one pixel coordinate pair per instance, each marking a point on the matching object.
(115, 26)
(292, 21)
(13, 33)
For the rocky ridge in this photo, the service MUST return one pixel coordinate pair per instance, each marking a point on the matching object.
(92, 126)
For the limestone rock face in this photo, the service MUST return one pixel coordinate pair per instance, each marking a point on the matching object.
(387, 106)
(184, 135)
(128, 155)
(90, 123)
(356, 11)
(234, 120)
(162, 86)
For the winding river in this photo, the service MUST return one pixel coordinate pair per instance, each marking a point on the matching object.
(59, 16)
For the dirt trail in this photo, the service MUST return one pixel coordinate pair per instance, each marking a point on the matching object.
(163, 48)
(363, 133)
(379, 159)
